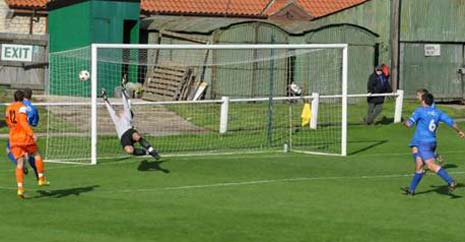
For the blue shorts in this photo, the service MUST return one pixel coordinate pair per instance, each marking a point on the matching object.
(427, 151)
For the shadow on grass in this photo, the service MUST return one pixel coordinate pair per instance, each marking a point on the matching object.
(116, 160)
(443, 191)
(447, 166)
(65, 192)
(152, 166)
(375, 143)
(385, 120)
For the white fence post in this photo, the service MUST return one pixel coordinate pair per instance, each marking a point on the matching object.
(224, 115)
(399, 103)
(315, 102)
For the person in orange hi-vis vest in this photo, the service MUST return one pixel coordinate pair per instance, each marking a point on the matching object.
(22, 141)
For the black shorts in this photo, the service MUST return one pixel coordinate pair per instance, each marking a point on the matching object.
(126, 138)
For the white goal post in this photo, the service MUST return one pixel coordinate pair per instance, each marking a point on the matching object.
(204, 99)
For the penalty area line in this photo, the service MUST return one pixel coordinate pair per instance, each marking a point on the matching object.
(245, 183)
(258, 182)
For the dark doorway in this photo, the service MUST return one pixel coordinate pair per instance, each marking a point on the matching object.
(129, 33)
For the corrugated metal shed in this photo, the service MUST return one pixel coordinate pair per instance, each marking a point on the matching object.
(254, 78)
(362, 51)
(372, 15)
(433, 20)
(432, 24)
(185, 24)
(206, 25)
(223, 81)
(422, 23)
(244, 79)
(437, 73)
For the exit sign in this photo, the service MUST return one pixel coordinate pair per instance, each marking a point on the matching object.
(21, 53)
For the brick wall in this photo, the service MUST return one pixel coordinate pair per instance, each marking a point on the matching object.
(19, 23)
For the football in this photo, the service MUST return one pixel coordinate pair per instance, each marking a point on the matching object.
(84, 75)
(295, 89)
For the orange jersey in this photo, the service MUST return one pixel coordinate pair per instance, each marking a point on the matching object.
(20, 132)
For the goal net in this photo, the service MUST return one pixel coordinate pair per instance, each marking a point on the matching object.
(199, 99)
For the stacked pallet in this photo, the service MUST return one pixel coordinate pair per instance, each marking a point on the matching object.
(168, 82)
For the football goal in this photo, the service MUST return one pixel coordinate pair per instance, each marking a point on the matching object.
(201, 99)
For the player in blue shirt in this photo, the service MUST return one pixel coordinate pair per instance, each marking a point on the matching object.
(413, 145)
(427, 118)
(33, 120)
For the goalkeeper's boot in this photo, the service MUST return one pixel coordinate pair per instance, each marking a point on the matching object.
(21, 192)
(25, 170)
(406, 191)
(124, 81)
(103, 94)
(43, 182)
(155, 154)
(451, 187)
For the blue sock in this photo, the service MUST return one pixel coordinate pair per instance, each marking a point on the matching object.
(32, 162)
(12, 158)
(444, 175)
(415, 180)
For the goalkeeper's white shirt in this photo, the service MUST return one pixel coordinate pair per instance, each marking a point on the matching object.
(122, 123)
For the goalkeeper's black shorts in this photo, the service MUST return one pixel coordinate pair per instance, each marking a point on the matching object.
(126, 138)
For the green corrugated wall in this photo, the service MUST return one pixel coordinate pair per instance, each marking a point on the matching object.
(374, 15)
(250, 79)
(438, 74)
(422, 22)
(433, 20)
(362, 45)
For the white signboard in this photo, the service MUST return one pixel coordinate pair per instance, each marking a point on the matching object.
(21, 53)
(432, 50)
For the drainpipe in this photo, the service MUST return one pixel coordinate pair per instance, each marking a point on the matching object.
(395, 39)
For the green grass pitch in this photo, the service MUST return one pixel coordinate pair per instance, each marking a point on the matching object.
(282, 197)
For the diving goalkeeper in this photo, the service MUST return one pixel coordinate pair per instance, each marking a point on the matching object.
(127, 134)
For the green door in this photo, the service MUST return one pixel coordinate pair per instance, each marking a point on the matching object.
(436, 70)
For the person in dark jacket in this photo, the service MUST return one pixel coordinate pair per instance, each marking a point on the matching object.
(378, 82)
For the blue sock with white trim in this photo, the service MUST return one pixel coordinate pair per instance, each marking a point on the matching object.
(444, 175)
(415, 181)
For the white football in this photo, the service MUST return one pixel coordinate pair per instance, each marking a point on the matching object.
(84, 75)
(296, 89)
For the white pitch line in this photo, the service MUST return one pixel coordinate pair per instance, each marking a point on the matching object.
(244, 183)
(74, 165)
(230, 184)
(225, 157)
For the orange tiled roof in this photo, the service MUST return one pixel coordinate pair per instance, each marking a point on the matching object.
(318, 8)
(208, 7)
(259, 8)
(27, 3)
(315, 8)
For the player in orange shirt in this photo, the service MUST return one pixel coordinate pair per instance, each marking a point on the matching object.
(22, 141)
